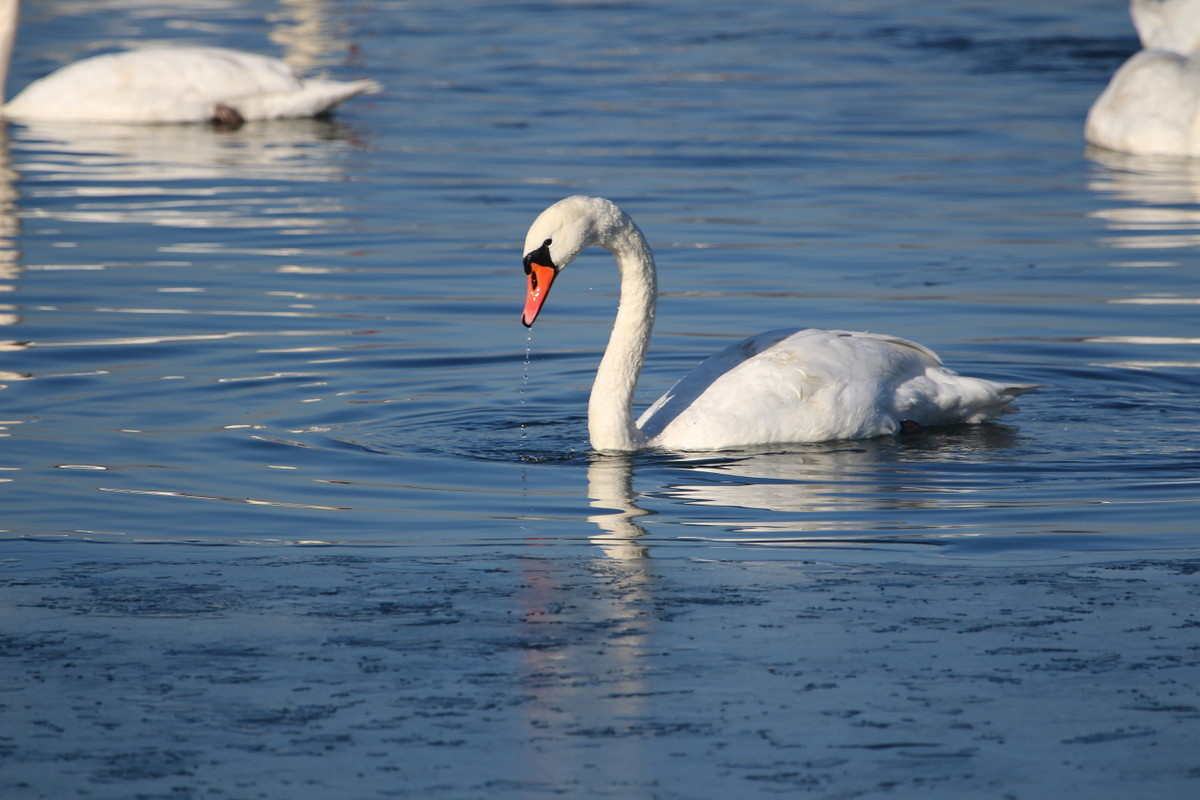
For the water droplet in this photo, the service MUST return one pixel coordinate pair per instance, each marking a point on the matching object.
(525, 376)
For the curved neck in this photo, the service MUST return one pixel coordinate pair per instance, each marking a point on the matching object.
(610, 409)
(9, 12)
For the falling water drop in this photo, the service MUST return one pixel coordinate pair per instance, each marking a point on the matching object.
(525, 378)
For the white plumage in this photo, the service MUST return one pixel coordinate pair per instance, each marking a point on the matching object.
(781, 386)
(1150, 107)
(1167, 24)
(1152, 104)
(164, 85)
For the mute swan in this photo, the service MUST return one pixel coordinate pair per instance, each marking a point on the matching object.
(781, 386)
(160, 85)
(1152, 104)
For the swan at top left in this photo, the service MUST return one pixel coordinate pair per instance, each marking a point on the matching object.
(169, 84)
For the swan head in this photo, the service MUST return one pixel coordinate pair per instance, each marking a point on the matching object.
(559, 235)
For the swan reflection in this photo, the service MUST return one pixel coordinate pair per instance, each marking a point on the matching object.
(1155, 226)
(308, 35)
(610, 486)
(862, 493)
(1162, 193)
(94, 152)
(10, 260)
(185, 176)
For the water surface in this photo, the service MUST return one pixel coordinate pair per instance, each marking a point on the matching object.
(306, 332)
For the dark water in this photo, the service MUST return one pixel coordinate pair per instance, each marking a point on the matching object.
(306, 333)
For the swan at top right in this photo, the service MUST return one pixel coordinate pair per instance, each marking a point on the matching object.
(1152, 104)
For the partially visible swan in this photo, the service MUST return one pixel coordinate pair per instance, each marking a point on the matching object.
(1150, 107)
(1152, 104)
(161, 85)
(1167, 24)
(781, 386)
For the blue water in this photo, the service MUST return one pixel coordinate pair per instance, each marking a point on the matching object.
(306, 333)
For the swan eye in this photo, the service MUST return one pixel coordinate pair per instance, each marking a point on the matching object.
(540, 256)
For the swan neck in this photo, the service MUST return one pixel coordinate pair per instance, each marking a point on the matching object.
(610, 411)
(10, 11)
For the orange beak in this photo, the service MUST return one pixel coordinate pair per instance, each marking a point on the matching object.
(540, 279)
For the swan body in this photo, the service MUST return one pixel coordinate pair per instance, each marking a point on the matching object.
(1150, 107)
(781, 386)
(1152, 104)
(170, 85)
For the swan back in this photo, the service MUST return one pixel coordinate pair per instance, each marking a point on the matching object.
(813, 385)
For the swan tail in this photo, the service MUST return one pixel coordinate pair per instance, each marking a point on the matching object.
(313, 98)
(991, 399)
(1015, 390)
(946, 398)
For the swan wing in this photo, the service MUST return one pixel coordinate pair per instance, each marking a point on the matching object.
(182, 84)
(814, 385)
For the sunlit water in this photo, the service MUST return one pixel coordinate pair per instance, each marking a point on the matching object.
(306, 333)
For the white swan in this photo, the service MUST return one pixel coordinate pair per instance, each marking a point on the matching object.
(781, 386)
(162, 85)
(1152, 104)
